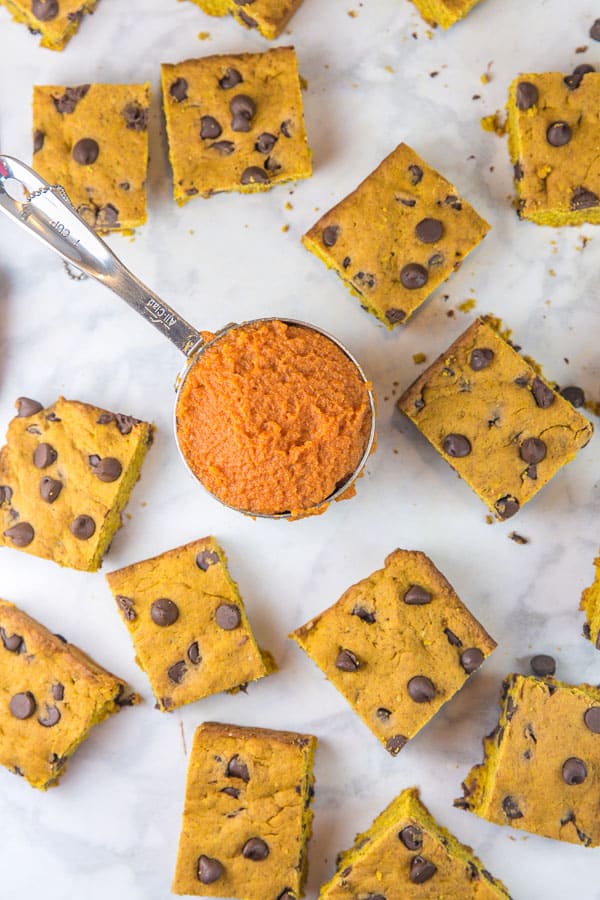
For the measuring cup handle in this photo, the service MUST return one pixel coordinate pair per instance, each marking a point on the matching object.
(46, 212)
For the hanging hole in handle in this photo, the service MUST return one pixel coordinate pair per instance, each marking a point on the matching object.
(16, 190)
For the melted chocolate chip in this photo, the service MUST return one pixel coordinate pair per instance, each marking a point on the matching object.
(164, 612)
(558, 134)
(511, 808)
(178, 90)
(237, 769)
(595, 31)
(456, 445)
(22, 706)
(177, 671)
(364, 615)
(27, 407)
(581, 198)
(254, 175)
(518, 171)
(574, 395)
(44, 10)
(255, 849)
(507, 506)
(481, 358)
(209, 870)
(421, 689)
(417, 595)
(429, 231)
(413, 276)
(542, 665)
(13, 643)
(574, 771)
(527, 95)
(228, 616)
(244, 106)
(44, 455)
(127, 607)
(58, 691)
(542, 394)
(38, 140)
(395, 744)
(209, 128)
(532, 450)
(85, 152)
(383, 714)
(330, 235)
(579, 72)
(591, 717)
(21, 534)
(67, 102)
(50, 488)
(82, 527)
(206, 558)
(471, 659)
(193, 653)
(411, 837)
(265, 142)
(247, 20)
(107, 469)
(231, 792)
(347, 661)
(136, 116)
(124, 423)
(5, 494)
(416, 174)
(421, 870)
(230, 79)
(51, 718)
(224, 148)
(395, 315)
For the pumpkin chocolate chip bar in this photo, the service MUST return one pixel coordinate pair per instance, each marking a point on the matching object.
(268, 16)
(444, 12)
(56, 21)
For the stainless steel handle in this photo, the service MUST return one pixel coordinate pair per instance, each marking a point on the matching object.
(46, 212)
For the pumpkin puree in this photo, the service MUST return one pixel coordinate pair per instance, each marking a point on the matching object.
(272, 417)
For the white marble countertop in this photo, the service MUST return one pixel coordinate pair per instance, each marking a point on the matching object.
(112, 826)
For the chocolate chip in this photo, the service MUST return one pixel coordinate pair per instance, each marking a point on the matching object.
(542, 394)
(228, 616)
(428, 231)
(255, 849)
(20, 534)
(573, 81)
(242, 105)
(178, 90)
(271, 165)
(471, 659)
(436, 260)
(177, 671)
(558, 134)
(27, 407)
(574, 395)
(364, 615)
(44, 10)
(421, 689)
(511, 808)
(591, 717)
(518, 171)
(416, 174)
(330, 235)
(6, 493)
(527, 95)
(507, 506)
(532, 450)
(38, 140)
(452, 638)
(574, 771)
(247, 20)
(254, 175)
(237, 769)
(58, 691)
(395, 744)
(209, 128)
(224, 148)
(383, 714)
(347, 661)
(595, 31)
(456, 445)
(82, 527)
(583, 199)
(265, 142)
(136, 116)
(44, 455)
(13, 643)
(209, 870)
(231, 792)
(50, 488)
(85, 152)
(164, 612)
(51, 718)
(206, 558)
(413, 276)
(193, 653)
(22, 706)
(105, 418)
(127, 607)
(421, 870)
(542, 665)
(411, 837)
(71, 97)
(124, 423)
(108, 469)
(395, 315)
(288, 894)
(481, 358)
(417, 596)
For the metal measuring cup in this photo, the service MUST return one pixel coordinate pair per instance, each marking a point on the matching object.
(46, 212)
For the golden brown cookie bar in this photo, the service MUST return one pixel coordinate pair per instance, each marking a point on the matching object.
(494, 419)
(397, 645)
(66, 473)
(590, 603)
(93, 140)
(553, 138)
(51, 695)
(400, 234)
(541, 767)
(403, 850)
(247, 817)
(188, 624)
(234, 123)
(56, 21)
(269, 16)
(444, 12)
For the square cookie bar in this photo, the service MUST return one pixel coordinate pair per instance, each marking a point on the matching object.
(399, 235)
(491, 416)
(268, 16)
(188, 624)
(590, 603)
(93, 140)
(444, 12)
(247, 817)
(553, 138)
(404, 849)
(234, 123)
(66, 473)
(51, 695)
(541, 767)
(56, 21)
(397, 645)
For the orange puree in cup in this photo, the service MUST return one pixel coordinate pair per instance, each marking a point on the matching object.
(272, 417)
